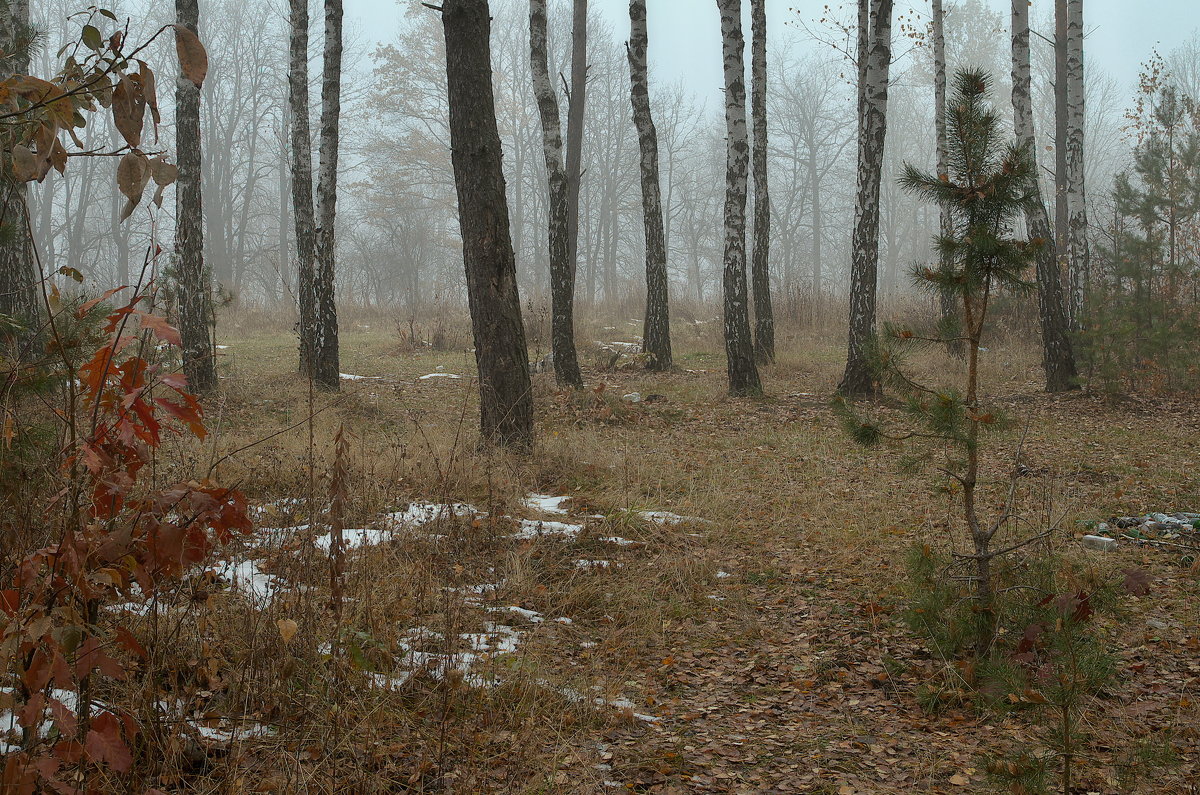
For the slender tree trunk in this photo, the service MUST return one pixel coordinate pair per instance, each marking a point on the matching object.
(875, 55)
(18, 272)
(656, 334)
(284, 259)
(562, 270)
(739, 348)
(1077, 224)
(505, 400)
(302, 193)
(1062, 199)
(325, 337)
(946, 225)
(195, 299)
(576, 105)
(1058, 359)
(814, 177)
(760, 271)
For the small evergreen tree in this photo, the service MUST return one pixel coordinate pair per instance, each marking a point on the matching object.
(1146, 323)
(985, 192)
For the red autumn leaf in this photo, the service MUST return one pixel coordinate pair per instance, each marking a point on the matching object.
(161, 328)
(105, 744)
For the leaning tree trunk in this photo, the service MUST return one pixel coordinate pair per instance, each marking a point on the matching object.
(760, 271)
(875, 55)
(576, 105)
(325, 328)
(302, 194)
(505, 400)
(656, 334)
(195, 299)
(18, 271)
(1080, 260)
(946, 225)
(739, 348)
(562, 269)
(1058, 359)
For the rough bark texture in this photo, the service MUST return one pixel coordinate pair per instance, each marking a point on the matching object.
(1062, 201)
(18, 271)
(760, 271)
(656, 333)
(1079, 263)
(875, 55)
(324, 343)
(302, 193)
(947, 298)
(576, 105)
(195, 299)
(562, 269)
(505, 400)
(739, 348)
(1058, 359)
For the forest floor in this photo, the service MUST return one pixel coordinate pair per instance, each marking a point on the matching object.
(750, 641)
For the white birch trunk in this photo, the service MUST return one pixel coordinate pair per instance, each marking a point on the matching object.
(739, 348)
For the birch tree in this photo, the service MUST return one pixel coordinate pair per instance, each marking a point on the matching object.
(195, 299)
(874, 60)
(302, 198)
(1077, 223)
(764, 317)
(562, 268)
(576, 114)
(739, 348)
(505, 400)
(945, 297)
(1058, 358)
(656, 333)
(324, 343)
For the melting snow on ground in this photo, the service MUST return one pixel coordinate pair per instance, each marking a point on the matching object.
(438, 375)
(546, 503)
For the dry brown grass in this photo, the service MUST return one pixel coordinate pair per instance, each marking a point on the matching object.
(794, 513)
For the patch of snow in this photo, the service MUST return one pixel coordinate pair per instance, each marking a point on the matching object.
(592, 564)
(721, 575)
(355, 538)
(665, 517)
(350, 377)
(532, 616)
(621, 542)
(715, 597)
(633, 397)
(247, 577)
(438, 375)
(536, 528)
(222, 347)
(419, 513)
(546, 503)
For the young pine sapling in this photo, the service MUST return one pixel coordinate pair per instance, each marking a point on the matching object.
(986, 190)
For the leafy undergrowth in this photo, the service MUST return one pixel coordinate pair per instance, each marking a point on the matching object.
(750, 641)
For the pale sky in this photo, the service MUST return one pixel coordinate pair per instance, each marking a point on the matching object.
(685, 34)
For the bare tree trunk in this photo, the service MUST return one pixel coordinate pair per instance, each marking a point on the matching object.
(875, 55)
(814, 176)
(1058, 359)
(576, 105)
(1062, 201)
(302, 193)
(562, 268)
(505, 400)
(195, 298)
(760, 271)
(18, 272)
(1080, 259)
(946, 225)
(739, 348)
(656, 334)
(325, 337)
